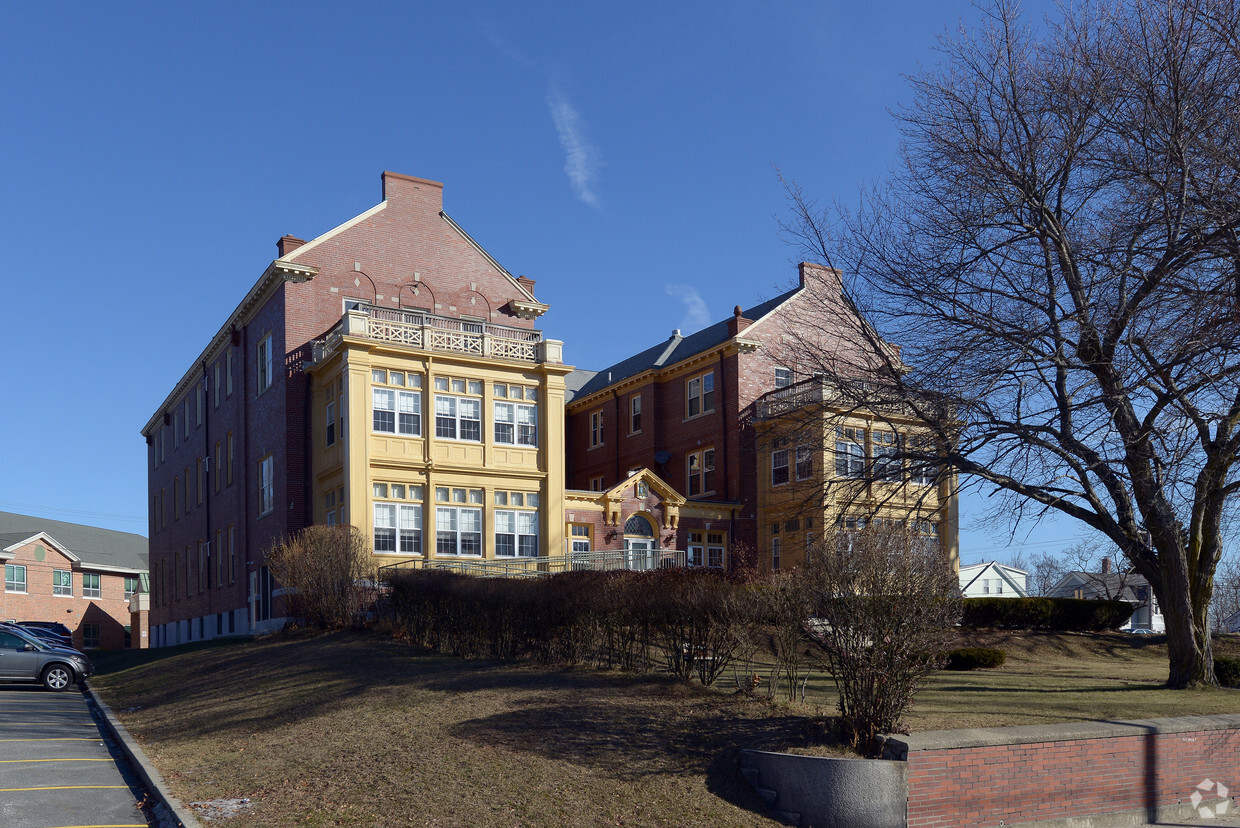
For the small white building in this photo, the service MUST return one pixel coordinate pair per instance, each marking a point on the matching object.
(993, 580)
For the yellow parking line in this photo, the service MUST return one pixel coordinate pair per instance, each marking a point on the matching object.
(62, 788)
(18, 761)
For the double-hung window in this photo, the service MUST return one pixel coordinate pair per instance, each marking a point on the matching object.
(516, 424)
(458, 531)
(263, 372)
(62, 582)
(397, 412)
(458, 417)
(14, 578)
(701, 472)
(779, 467)
(91, 586)
(886, 455)
(700, 394)
(805, 463)
(398, 528)
(131, 585)
(849, 452)
(596, 428)
(266, 485)
(516, 524)
(783, 377)
(635, 414)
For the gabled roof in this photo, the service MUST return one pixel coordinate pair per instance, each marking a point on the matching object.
(970, 574)
(1123, 585)
(677, 348)
(89, 544)
(657, 484)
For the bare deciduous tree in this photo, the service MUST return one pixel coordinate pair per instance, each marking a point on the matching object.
(1058, 254)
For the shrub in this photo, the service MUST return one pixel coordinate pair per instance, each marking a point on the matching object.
(1068, 614)
(884, 604)
(975, 658)
(329, 575)
(1227, 670)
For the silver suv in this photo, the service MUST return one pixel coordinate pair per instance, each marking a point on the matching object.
(25, 658)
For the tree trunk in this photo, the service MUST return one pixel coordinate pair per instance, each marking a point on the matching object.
(1189, 648)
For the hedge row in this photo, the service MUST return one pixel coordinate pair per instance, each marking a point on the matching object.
(695, 621)
(975, 658)
(1227, 671)
(1068, 614)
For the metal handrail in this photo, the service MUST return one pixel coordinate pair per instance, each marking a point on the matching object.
(542, 566)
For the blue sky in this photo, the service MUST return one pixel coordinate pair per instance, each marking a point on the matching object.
(623, 156)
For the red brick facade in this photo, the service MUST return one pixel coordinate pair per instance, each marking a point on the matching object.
(97, 622)
(741, 355)
(208, 532)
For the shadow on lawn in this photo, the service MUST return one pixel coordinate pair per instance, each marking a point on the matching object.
(630, 742)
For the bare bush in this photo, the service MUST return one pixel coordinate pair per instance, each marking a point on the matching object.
(883, 604)
(328, 573)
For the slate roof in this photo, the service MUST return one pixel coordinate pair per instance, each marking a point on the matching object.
(582, 383)
(102, 547)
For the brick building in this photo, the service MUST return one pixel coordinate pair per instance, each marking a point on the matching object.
(80, 576)
(386, 374)
(690, 408)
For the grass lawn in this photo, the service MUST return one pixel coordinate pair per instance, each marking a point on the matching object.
(351, 729)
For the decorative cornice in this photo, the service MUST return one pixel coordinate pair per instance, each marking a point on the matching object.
(526, 310)
(276, 273)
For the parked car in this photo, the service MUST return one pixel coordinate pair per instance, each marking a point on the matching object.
(1141, 631)
(54, 626)
(25, 658)
(48, 635)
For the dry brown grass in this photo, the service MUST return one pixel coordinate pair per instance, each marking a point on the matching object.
(352, 729)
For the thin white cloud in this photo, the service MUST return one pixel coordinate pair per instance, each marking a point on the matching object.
(697, 315)
(581, 158)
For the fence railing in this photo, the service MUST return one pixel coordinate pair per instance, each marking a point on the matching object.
(633, 559)
(429, 331)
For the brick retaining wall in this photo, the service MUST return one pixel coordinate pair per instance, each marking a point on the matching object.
(1013, 775)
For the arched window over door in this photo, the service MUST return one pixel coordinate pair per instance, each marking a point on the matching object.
(639, 526)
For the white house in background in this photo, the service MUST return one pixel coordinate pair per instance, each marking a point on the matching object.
(1123, 586)
(993, 580)
(1232, 622)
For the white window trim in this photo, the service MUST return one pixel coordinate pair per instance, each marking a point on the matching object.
(398, 398)
(775, 464)
(516, 534)
(514, 410)
(25, 583)
(92, 592)
(457, 511)
(56, 593)
(457, 419)
(415, 533)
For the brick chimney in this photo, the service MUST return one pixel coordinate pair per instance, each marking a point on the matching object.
(737, 323)
(819, 278)
(1106, 566)
(405, 190)
(287, 244)
(527, 283)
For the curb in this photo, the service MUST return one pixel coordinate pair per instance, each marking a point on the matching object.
(170, 811)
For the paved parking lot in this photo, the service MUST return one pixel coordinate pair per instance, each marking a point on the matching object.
(56, 768)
